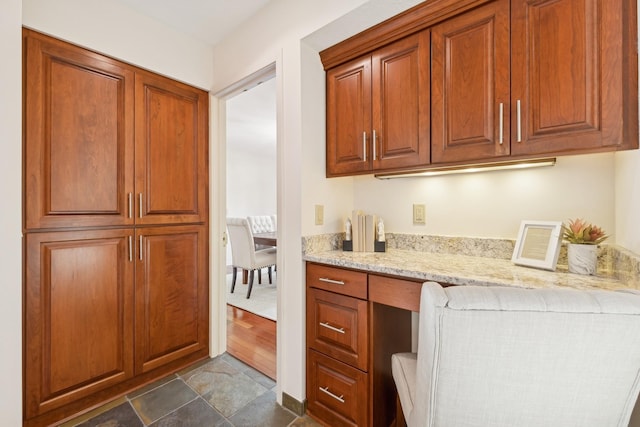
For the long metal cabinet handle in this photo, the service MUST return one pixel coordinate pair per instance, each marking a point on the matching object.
(335, 282)
(140, 249)
(501, 125)
(338, 398)
(140, 205)
(519, 120)
(130, 197)
(374, 144)
(130, 248)
(364, 145)
(333, 328)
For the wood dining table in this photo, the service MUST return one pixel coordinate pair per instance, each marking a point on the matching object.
(267, 239)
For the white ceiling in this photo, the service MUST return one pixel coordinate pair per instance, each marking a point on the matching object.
(206, 20)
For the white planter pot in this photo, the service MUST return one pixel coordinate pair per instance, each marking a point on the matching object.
(583, 259)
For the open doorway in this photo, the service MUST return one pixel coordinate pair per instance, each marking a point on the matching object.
(251, 181)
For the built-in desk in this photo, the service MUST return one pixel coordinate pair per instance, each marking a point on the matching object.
(359, 308)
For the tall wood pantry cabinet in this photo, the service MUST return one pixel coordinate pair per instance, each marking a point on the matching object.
(115, 228)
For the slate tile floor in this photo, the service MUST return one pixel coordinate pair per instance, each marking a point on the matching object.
(223, 392)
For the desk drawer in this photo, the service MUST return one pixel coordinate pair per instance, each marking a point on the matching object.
(335, 279)
(336, 392)
(337, 326)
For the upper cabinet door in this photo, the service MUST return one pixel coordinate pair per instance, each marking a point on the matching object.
(400, 103)
(171, 151)
(470, 85)
(571, 59)
(349, 118)
(78, 136)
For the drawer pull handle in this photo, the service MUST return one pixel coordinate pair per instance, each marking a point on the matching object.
(338, 398)
(333, 328)
(335, 282)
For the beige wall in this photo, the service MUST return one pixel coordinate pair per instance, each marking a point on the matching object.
(10, 223)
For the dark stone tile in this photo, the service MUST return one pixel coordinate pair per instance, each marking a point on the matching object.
(163, 400)
(197, 413)
(238, 364)
(203, 379)
(149, 387)
(264, 412)
(121, 416)
(260, 378)
(230, 392)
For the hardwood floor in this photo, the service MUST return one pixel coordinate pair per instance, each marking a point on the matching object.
(252, 339)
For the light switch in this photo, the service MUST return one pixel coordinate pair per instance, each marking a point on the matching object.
(419, 214)
(319, 214)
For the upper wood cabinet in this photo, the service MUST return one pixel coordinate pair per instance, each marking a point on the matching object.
(107, 144)
(510, 80)
(378, 109)
(171, 151)
(470, 85)
(78, 136)
(574, 76)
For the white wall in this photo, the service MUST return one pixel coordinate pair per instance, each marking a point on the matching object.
(11, 213)
(113, 29)
(492, 204)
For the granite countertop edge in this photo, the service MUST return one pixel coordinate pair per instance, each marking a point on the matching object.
(469, 270)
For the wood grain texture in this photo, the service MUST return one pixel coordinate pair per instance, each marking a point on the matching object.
(252, 339)
(401, 293)
(78, 112)
(172, 294)
(171, 151)
(470, 75)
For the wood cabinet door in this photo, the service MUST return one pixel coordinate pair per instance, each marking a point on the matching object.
(78, 136)
(171, 295)
(171, 151)
(78, 322)
(570, 59)
(470, 85)
(401, 93)
(349, 118)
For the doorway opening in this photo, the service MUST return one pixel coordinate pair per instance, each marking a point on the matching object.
(251, 191)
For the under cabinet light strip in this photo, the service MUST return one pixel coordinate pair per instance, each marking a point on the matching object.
(483, 167)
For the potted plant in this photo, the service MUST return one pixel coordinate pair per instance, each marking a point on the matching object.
(582, 250)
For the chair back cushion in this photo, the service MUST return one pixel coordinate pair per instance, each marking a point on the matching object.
(504, 357)
(262, 223)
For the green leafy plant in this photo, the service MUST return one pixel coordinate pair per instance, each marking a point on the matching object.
(581, 232)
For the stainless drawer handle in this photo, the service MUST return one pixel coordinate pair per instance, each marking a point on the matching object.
(333, 328)
(338, 398)
(335, 282)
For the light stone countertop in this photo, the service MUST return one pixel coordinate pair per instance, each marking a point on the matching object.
(469, 270)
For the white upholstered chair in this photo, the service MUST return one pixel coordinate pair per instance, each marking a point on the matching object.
(244, 254)
(506, 357)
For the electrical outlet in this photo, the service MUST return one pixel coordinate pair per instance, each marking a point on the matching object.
(419, 214)
(319, 214)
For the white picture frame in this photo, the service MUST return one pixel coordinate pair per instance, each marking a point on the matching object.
(538, 244)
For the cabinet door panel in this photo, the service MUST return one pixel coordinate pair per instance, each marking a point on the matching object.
(349, 118)
(171, 295)
(469, 83)
(79, 137)
(171, 151)
(568, 74)
(79, 315)
(400, 103)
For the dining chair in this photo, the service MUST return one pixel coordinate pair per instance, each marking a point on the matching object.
(244, 254)
(504, 357)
